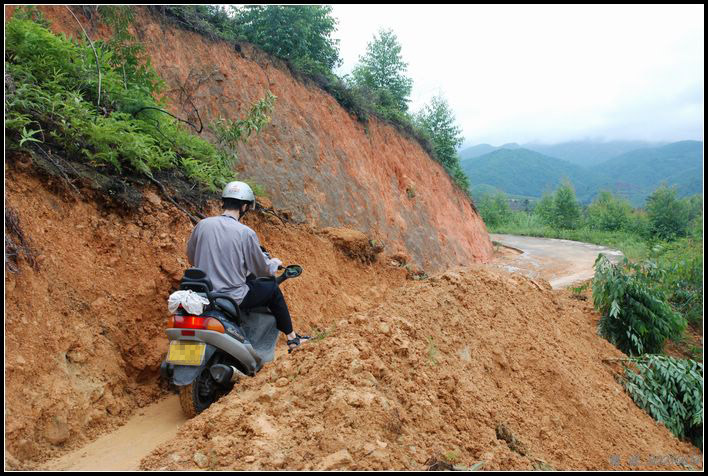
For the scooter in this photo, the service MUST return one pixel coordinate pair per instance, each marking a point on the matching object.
(210, 352)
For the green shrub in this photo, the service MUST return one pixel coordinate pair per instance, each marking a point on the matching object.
(495, 209)
(669, 217)
(671, 391)
(566, 209)
(54, 100)
(609, 213)
(683, 279)
(635, 314)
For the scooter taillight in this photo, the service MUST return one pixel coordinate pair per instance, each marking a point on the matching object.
(196, 322)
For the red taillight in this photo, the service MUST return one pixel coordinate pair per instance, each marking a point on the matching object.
(196, 322)
(188, 333)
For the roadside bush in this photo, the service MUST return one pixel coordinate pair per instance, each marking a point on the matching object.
(671, 391)
(566, 207)
(683, 279)
(609, 213)
(636, 316)
(669, 217)
(495, 209)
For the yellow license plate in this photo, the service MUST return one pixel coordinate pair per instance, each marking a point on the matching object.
(186, 353)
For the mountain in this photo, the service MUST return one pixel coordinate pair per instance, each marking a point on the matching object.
(481, 149)
(589, 153)
(527, 173)
(633, 175)
(636, 174)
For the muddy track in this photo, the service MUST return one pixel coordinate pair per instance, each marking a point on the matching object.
(560, 262)
(123, 449)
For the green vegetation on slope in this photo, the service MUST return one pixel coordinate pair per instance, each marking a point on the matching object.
(57, 103)
(302, 36)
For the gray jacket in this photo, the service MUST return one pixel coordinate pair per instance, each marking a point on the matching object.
(227, 251)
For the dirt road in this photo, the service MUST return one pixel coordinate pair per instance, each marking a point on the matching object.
(123, 449)
(560, 262)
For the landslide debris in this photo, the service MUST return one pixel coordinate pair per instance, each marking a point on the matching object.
(486, 368)
(85, 314)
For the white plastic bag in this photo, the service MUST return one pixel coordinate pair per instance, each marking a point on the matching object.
(192, 302)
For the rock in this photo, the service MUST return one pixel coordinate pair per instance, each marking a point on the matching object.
(249, 459)
(337, 460)
(384, 328)
(281, 382)
(56, 431)
(153, 198)
(98, 303)
(76, 356)
(200, 459)
(267, 394)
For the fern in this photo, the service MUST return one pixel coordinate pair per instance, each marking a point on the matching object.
(55, 88)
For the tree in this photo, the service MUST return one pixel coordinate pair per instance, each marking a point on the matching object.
(609, 213)
(544, 209)
(668, 216)
(438, 121)
(495, 209)
(301, 33)
(382, 71)
(566, 207)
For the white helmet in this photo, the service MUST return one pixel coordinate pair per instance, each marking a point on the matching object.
(239, 191)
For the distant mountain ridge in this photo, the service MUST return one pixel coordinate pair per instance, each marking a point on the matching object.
(633, 174)
(585, 153)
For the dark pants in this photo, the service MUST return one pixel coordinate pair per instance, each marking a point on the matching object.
(268, 294)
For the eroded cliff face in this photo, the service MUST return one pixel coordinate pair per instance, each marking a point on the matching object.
(314, 158)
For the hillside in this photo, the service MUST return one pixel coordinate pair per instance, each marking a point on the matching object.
(423, 352)
(315, 160)
(589, 153)
(638, 173)
(527, 173)
(633, 175)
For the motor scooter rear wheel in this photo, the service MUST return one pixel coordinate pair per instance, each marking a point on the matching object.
(198, 395)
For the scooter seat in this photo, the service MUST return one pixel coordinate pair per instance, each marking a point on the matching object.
(227, 306)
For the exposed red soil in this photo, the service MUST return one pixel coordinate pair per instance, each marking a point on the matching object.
(85, 332)
(314, 158)
(442, 368)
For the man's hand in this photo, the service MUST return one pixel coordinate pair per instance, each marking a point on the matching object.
(274, 264)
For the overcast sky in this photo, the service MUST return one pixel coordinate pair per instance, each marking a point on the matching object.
(548, 74)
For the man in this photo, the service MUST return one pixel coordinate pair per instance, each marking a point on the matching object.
(228, 251)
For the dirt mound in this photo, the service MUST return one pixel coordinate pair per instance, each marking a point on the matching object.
(354, 244)
(85, 326)
(474, 365)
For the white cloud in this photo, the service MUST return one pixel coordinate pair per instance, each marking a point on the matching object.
(547, 73)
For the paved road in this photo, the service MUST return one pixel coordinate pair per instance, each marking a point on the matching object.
(560, 262)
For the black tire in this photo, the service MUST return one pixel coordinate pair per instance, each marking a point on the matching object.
(199, 395)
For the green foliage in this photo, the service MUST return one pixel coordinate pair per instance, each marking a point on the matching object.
(671, 391)
(53, 101)
(669, 217)
(545, 209)
(683, 279)
(608, 212)
(301, 34)
(566, 207)
(495, 209)
(381, 73)
(438, 120)
(635, 314)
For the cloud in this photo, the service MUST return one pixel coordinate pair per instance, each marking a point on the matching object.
(518, 73)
